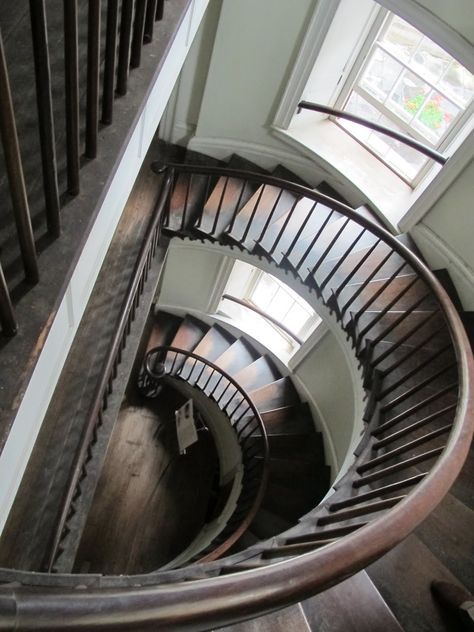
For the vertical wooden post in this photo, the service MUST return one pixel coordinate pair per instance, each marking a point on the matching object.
(110, 62)
(45, 114)
(138, 31)
(93, 65)
(71, 58)
(160, 7)
(16, 179)
(124, 46)
(7, 317)
(150, 20)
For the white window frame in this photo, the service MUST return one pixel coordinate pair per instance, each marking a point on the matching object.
(379, 26)
(412, 207)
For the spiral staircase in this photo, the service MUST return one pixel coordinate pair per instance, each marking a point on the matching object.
(417, 370)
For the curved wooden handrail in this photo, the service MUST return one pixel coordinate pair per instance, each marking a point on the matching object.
(237, 532)
(212, 601)
(381, 129)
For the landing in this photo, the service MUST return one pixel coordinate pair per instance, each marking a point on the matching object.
(150, 500)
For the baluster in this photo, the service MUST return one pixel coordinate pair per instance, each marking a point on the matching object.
(341, 260)
(413, 371)
(16, 179)
(186, 200)
(159, 10)
(150, 21)
(45, 114)
(138, 32)
(71, 59)
(272, 213)
(254, 211)
(237, 207)
(313, 241)
(298, 232)
(367, 281)
(124, 46)
(7, 317)
(219, 206)
(357, 267)
(93, 64)
(109, 62)
(329, 247)
(405, 337)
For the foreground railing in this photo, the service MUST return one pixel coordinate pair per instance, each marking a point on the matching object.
(246, 422)
(418, 420)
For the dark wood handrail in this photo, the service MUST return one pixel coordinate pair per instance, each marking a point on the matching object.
(216, 601)
(403, 138)
(260, 312)
(110, 363)
(236, 533)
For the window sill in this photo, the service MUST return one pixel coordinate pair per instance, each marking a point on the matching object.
(338, 153)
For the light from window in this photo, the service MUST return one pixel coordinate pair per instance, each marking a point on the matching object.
(410, 84)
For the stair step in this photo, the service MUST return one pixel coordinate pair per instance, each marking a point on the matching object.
(293, 500)
(189, 334)
(275, 395)
(256, 375)
(164, 329)
(186, 201)
(289, 419)
(239, 355)
(226, 194)
(211, 346)
(393, 326)
(267, 201)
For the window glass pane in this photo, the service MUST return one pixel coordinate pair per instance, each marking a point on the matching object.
(430, 60)
(408, 96)
(435, 117)
(401, 38)
(296, 318)
(380, 75)
(264, 291)
(359, 106)
(280, 305)
(458, 83)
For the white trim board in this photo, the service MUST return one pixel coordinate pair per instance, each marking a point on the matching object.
(263, 155)
(30, 415)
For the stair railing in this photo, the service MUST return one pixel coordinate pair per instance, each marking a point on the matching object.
(244, 418)
(111, 363)
(366, 515)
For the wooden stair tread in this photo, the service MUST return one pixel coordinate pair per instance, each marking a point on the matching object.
(163, 330)
(274, 395)
(289, 419)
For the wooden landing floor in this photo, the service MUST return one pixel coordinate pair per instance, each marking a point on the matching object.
(150, 501)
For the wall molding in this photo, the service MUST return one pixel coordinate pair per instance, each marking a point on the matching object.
(265, 156)
(439, 255)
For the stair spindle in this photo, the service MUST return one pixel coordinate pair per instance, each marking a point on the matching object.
(71, 60)
(126, 21)
(45, 114)
(150, 20)
(7, 316)
(93, 68)
(138, 33)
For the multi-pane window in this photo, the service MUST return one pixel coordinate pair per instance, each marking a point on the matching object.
(410, 84)
(281, 303)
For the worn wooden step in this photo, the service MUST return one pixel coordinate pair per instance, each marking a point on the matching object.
(294, 499)
(226, 198)
(164, 329)
(211, 346)
(305, 447)
(256, 375)
(239, 355)
(275, 395)
(289, 419)
(189, 334)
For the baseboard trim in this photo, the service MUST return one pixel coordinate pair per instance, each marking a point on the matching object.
(263, 155)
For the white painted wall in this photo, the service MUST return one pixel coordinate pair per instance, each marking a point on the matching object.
(32, 410)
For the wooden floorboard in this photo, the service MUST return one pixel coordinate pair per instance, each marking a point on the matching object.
(151, 501)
